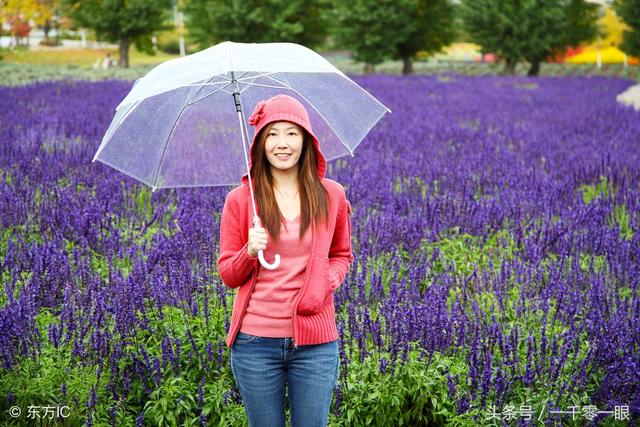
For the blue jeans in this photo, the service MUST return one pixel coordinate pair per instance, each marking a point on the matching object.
(262, 367)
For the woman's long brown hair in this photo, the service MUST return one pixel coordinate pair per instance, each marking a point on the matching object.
(314, 198)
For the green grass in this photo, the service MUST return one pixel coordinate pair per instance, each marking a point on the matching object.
(77, 56)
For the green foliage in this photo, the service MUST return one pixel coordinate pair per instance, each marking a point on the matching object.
(413, 185)
(379, 30)
(144, 44)
(254, 21)
(120, 21)
(174, 402)
(143, 203)
(25, 73)
(468, 253)
(169, 42)
(591, 192)
(580, 25)
(171, 401)
(530, 30)
(619, 216)
(434, 28)
(373, 29)
(629, 11)
(38, 380)
(114, 20)
(20, 74)
(100, 264)
(414, 393)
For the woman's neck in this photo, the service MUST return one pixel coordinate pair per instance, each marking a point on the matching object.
(285, 179)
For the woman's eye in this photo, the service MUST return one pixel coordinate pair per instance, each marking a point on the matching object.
(275, 134)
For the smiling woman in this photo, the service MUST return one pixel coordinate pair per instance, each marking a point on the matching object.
(283, 145)
(283, 332)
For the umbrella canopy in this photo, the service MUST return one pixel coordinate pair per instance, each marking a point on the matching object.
(182, 125)
(178, 125)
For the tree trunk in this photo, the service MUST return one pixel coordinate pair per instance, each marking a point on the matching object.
(510, 67)
(368, 68)
(407, 67)
(534, 69)
(46, 28)
(123, 61)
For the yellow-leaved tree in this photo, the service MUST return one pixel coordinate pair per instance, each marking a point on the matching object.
(21, 15)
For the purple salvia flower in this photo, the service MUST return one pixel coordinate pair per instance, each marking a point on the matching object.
(201, 393)
(383, 365)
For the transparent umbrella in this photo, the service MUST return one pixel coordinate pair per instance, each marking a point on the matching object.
(183, 125)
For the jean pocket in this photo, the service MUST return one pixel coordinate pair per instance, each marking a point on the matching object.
(242, 338)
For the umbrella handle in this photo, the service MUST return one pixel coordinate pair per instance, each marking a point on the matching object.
(264, 262)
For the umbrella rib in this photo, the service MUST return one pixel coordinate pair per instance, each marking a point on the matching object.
(249, 81)
(164, 150)
(194, 84)
(182, 85)
(321, 115)
(268, 75)
(207, 95)
(110, 133)
(228, 79)
(262, 85)
(209, 82)
(200, 88)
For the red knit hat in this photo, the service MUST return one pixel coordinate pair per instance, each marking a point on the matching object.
(284, 108)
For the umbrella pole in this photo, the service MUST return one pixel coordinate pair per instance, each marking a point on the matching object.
(245, 144)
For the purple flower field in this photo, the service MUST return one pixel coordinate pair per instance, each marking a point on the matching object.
(496, 235)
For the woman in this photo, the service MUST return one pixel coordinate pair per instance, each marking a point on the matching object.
(283, 332)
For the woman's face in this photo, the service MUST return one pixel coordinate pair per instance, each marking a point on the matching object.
(286, 138)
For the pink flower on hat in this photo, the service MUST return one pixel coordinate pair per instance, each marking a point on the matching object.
(258, 113)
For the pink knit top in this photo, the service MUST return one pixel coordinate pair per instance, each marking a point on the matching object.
(270, 309)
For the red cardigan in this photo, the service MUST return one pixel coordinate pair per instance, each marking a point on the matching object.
(331, 256)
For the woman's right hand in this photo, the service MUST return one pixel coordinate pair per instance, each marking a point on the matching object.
(257, 241)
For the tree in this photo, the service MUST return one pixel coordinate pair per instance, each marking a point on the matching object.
(629, 11)
(121, 21)
(257, 21)
(493, 24)
(613, 28)
(530, 30)
(434, 28)
(568, 23)
(373, 29)
(49, 9)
